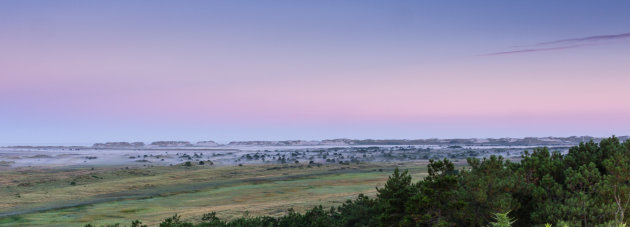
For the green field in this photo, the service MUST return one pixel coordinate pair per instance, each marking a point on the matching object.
(109, 195)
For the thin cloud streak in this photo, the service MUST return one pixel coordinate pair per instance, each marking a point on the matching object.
(576, 42)
(588, 39)
(531, 50)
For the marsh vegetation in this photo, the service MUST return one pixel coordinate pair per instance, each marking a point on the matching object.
(584, 185)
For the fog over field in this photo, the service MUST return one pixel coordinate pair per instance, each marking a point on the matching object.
(340, 151)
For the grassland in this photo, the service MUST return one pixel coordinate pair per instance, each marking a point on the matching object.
(107, 195)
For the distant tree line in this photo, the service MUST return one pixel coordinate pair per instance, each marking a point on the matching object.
(589, 186)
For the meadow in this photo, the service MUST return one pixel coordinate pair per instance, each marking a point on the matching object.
(67, 196)
(64, 186)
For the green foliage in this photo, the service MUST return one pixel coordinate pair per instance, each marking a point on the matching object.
(175, 222)
(583, 200)
(616, 181)
(362, 211)
(393, 196)
(488, 187)
(435, 197)
(502, 220)
(137, 223)
(210, 217)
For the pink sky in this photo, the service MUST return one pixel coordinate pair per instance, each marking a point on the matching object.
(267, 77)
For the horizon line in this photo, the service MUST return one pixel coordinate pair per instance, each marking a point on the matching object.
(86, 144)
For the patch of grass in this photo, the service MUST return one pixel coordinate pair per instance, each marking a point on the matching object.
(11, 220)
(158, 192)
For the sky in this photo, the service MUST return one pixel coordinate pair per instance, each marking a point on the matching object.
(79, 72)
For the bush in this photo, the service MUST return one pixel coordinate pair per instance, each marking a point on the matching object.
(137, 223)
(175, 222)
